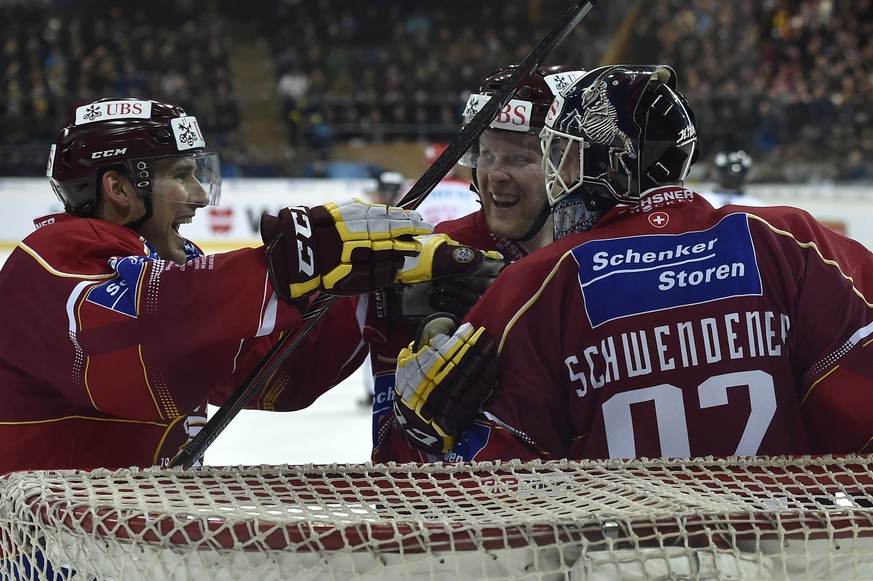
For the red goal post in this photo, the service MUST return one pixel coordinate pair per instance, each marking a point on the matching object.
(735, 518)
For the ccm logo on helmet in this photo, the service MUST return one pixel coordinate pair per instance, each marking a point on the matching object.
(108, 153)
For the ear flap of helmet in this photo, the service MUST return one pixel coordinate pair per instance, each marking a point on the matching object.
(668, 132)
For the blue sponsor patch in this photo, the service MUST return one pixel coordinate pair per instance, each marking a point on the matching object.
(119, 294)
(643, 274)
(383, 403)
(471, 442)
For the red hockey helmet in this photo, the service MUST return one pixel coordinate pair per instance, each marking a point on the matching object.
(125, 134)
(526, 112)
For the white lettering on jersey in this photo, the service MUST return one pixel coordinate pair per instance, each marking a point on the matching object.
(682, 278)
(681, 251)
(681, 345)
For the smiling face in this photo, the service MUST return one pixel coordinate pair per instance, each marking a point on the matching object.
(511, 184)
(176, 195)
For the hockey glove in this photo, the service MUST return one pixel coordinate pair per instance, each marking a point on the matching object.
(442, 379)
(456, 276)
(341, 248)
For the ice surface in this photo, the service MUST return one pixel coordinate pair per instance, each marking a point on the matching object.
(336, 428)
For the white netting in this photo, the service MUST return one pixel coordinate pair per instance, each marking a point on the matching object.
(806, 518)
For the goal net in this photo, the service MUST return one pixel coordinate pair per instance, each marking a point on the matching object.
(762, 518)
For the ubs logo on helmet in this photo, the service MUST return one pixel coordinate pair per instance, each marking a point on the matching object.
(111, 110)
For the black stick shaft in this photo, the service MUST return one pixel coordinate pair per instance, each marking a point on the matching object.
(259, 377)
(477, 125)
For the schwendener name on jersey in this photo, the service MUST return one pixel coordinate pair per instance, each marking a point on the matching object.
(666, 348)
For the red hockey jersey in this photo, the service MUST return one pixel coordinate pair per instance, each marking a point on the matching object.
(394, 335)
(108, 355)
(674, 329)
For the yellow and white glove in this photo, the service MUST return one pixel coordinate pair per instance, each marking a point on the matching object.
(442, 379)
(445, 277)
(341, 248)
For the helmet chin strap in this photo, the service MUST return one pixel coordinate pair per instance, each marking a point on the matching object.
(538, 223)
(147, 202)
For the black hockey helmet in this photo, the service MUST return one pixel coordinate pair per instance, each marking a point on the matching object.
(628, 128)
(125, 134)
(731, 169)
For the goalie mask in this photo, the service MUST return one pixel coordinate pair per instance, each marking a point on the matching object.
(617, 132)
(127, 135)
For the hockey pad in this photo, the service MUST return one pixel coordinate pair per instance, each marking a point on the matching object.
(341, 248)
(442, 379)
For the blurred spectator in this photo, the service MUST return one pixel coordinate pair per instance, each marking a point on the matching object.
(56, 54)
(798, 93)
(387, 188)
(293, 89)
(799, 81)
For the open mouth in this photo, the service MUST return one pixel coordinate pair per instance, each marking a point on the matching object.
(504, 201)
(180, 221)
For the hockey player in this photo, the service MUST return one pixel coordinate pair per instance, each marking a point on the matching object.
(513, 220)
(117, 330)
(731, 170)
(655, 325)
(387, 188)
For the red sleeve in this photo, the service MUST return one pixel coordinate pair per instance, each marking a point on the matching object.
(329, 353)
(107, 357)
(520, 419)
(833, 337)
(219, 304)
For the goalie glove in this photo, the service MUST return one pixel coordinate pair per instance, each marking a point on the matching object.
(445, 277)
(442, 379)
(341, 248)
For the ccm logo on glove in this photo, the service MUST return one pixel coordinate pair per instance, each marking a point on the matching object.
(305, 253)
(341, 248)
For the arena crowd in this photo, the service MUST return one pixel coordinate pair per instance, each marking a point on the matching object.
(790, 81)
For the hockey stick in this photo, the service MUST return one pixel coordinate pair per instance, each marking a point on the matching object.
(425, 184)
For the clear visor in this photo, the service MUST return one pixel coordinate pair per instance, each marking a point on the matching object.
(193, 178)
(562, 163)
(505, 151)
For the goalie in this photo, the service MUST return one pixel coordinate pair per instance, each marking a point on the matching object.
(655, 325)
